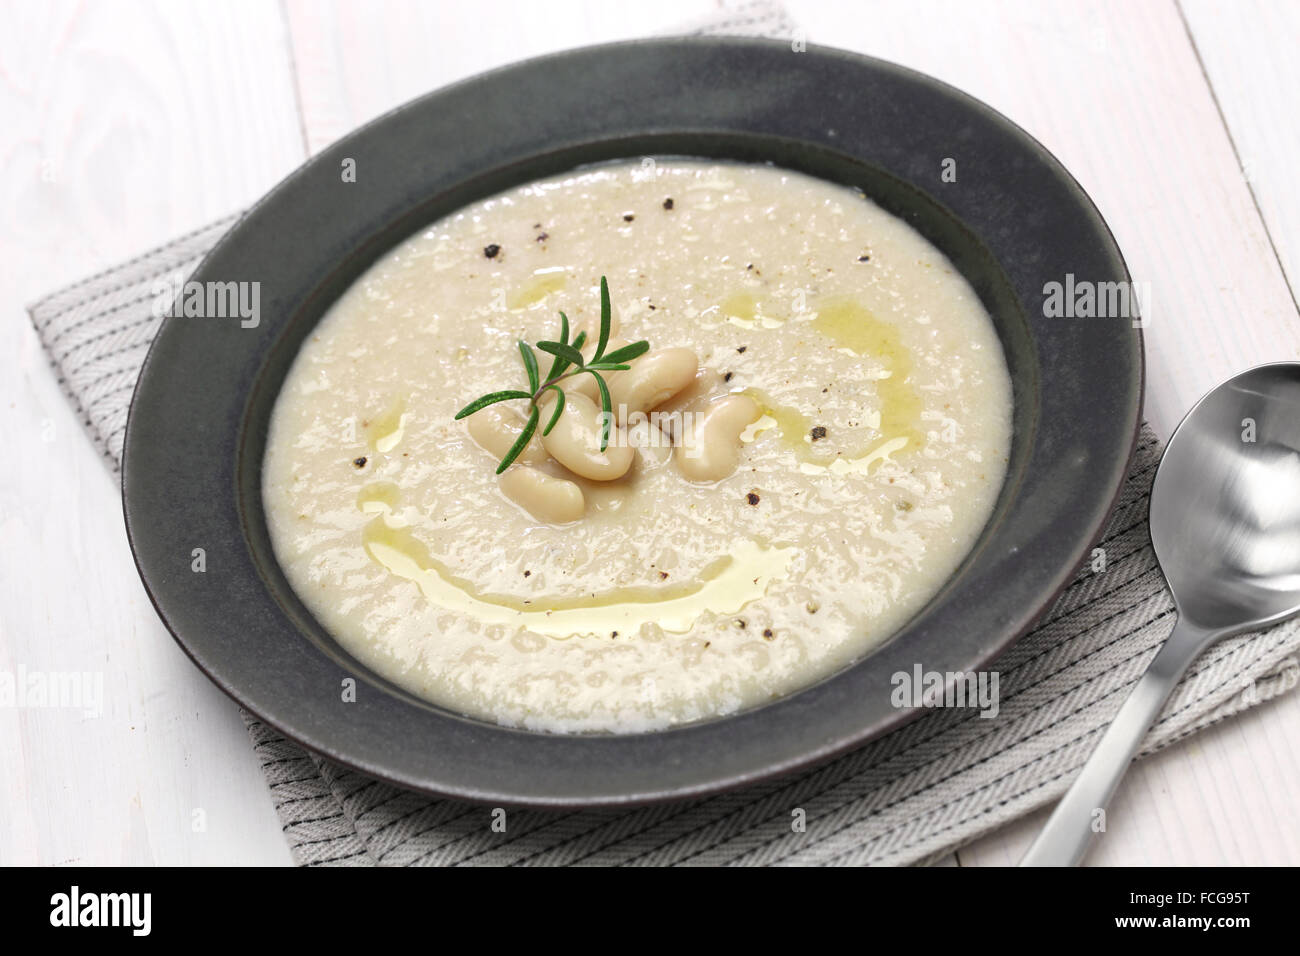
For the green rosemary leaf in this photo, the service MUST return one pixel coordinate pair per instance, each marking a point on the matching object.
(559, 408)
(558, 369)
(560, 364)
(606, 407)
(627, 352)
(605, 314)
(490, 399)
(521, 442)
(566, 352)
(530, 364)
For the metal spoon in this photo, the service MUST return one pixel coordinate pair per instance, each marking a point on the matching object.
(1225, 523)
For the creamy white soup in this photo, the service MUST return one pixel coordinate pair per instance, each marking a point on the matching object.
(812, 444)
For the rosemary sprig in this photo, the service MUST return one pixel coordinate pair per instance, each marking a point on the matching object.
(567, 362)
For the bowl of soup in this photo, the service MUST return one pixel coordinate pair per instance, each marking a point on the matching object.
(615, 426)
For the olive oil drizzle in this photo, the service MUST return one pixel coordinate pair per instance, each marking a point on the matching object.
(853, 328)
(725, 587)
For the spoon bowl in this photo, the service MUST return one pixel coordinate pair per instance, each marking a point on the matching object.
(1225, 525)
(1225, 505)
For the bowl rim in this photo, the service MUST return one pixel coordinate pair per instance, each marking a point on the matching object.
(298, 710)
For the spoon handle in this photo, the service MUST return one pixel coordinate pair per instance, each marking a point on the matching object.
(1069, 831)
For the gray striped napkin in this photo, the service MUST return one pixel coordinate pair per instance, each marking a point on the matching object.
(912, 796)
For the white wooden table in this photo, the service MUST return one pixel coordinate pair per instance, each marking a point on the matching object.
(123, 124)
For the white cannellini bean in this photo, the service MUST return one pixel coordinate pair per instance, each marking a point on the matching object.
(585, 384)
(545, 497)
(653, 379)
(668, 415)
(582, 385)
(575, 440)
(710, 450)
(495, 430)
(653, 446)
(706, 380)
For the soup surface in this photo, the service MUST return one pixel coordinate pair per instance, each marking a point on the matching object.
(885, 409)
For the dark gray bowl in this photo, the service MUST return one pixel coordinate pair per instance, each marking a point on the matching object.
(1014, 221)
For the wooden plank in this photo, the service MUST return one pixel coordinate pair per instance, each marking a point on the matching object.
(1248, 50)
(356, 61)
(125, 124)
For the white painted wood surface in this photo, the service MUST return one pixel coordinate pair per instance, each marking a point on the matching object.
(122, 124)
